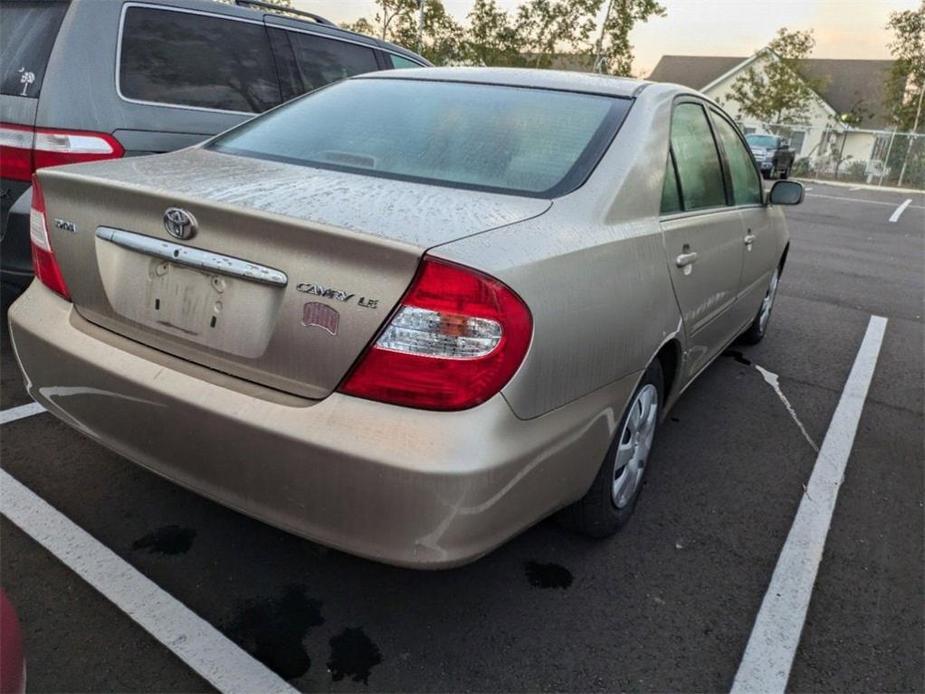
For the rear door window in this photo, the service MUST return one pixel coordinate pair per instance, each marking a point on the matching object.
(28, 31)
(187, 59)
(671, 199)
(746, 186)
(320, 61)
(697, 158)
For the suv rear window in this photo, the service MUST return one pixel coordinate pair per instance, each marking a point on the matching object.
(188, 59)
(535, 142)
(27, 35)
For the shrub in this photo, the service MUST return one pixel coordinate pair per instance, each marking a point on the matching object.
(803, 167)
(856, 172)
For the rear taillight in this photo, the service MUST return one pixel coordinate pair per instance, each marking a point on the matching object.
(23, 150)
(456, 339)
(43, 257)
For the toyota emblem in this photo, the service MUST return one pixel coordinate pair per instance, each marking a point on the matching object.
(179, 223)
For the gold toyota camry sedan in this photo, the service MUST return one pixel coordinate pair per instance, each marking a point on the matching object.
(410, 314)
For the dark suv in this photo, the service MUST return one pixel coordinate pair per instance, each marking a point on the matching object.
(84, 79)
(772, 153)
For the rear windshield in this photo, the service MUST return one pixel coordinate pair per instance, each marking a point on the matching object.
(28, 30)
(528, 141)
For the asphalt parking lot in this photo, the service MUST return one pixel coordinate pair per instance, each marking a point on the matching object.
(667, 605)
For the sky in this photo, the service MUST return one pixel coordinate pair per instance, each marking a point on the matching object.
(843, 28)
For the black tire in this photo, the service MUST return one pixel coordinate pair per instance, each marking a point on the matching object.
(596, 514)
(785, 174)
(759, 328)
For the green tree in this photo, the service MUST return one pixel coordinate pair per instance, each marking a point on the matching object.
(613, 51)
(543, 27)
(778, 92)
(441, 38)
(905, 92)
(491, 38)
(397, 21)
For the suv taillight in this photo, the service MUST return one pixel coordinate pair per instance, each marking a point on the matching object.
(23, 150)
(456, 339)
(43, 257)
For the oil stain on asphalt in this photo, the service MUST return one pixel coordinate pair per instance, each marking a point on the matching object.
(171, 539)
(738, 356)
(273, 630)
(353, 655)
(548, 575)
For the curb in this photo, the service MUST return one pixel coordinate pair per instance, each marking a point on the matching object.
(860, 186)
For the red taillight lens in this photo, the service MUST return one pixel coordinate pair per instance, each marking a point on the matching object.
(16, 152)
(23, 150)
(43, 257)
(456, 339)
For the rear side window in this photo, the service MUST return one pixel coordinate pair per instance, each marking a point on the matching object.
(27, 34)
(400, 63)
(746, 187)
(697, 159)
(321, 61)
(188, 59)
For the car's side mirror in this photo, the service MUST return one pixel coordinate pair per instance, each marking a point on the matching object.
(786, 193)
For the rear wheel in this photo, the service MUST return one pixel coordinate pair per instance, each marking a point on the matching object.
(609, 503)
(785, 174)
(756, 331)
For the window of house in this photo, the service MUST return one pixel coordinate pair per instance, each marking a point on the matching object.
(189, 59)
(697, 158)
(797, 137)
(746, 186)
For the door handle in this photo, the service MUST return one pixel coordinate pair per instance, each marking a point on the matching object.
(686, 259)
(749, 239)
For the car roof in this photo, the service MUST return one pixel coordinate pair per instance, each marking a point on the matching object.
(252, 12)
(523, 77)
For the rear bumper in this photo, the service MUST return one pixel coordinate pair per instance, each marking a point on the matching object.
(403, 486)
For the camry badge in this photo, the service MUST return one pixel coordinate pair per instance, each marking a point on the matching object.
(179, 223)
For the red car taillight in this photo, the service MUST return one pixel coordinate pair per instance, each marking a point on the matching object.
(43, 257)
(23, 150)
(456, 339)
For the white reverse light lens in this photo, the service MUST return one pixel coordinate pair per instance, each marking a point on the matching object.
(432, 334)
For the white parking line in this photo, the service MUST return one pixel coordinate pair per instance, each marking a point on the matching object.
(899, 210)
(842, 197)
(21, 412)
(768, 657)
(196, 642)
(905, 205)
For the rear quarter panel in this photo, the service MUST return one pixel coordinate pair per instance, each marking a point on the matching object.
(592, 270)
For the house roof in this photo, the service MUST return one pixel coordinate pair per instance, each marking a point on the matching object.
(843, 83)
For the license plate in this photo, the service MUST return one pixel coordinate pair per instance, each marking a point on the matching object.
(186, 300)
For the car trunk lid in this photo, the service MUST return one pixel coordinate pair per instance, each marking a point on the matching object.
(289, 274)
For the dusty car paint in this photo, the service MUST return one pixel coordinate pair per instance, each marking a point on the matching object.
(596, 268)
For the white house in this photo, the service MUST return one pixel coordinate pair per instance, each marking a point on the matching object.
(845, 87)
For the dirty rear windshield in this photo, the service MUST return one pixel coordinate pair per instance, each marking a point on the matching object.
(531, 142)
(27, 34)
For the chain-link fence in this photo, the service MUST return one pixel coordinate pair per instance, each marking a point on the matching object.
(853, 155)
